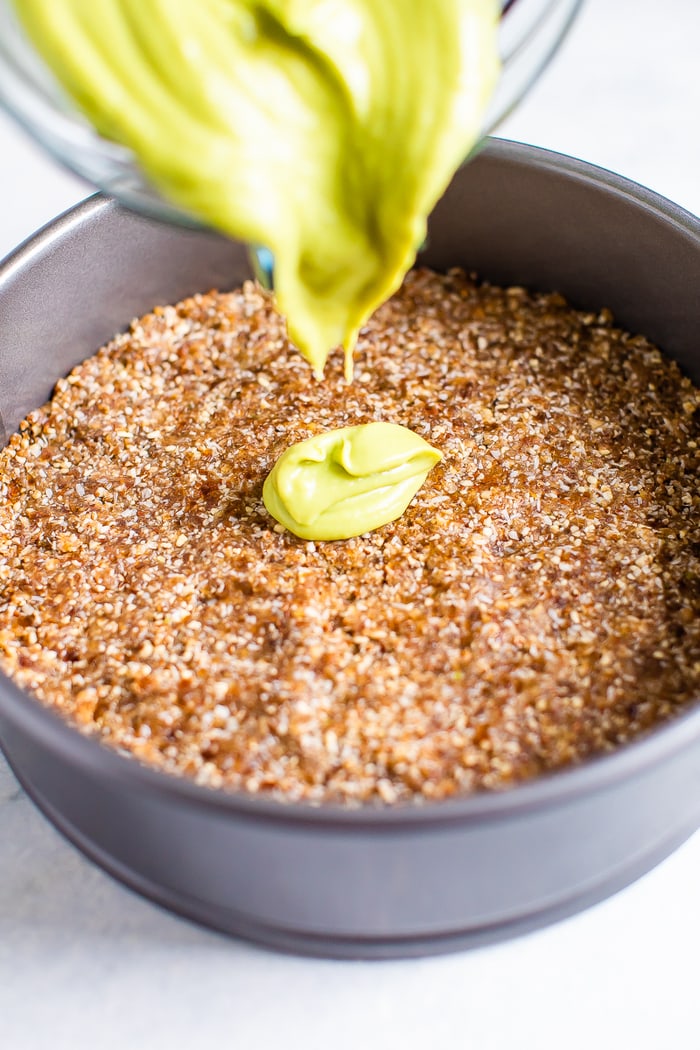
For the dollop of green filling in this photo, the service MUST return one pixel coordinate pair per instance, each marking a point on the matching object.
(325, 130)
(345, 482)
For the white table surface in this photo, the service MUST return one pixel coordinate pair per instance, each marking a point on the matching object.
(86, 963)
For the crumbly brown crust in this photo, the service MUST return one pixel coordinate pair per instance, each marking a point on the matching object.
(536, 604)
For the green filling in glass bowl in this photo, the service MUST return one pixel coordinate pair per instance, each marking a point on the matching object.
(325, 130)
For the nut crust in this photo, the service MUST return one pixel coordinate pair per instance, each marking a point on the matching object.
(534, 606)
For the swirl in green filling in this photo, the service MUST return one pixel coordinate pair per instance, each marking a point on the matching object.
(325, 130)
(348, 481)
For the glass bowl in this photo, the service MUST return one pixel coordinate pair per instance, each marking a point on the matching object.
(531, 31)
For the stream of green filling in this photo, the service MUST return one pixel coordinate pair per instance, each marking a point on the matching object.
(325, 130)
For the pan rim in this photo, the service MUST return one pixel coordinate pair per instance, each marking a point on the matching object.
(544, 792)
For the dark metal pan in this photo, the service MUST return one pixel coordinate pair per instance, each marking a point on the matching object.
(372, 882)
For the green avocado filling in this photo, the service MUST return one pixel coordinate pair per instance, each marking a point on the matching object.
(348, 481)
(324, 130)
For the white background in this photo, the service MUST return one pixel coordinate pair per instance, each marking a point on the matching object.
(85, 963)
